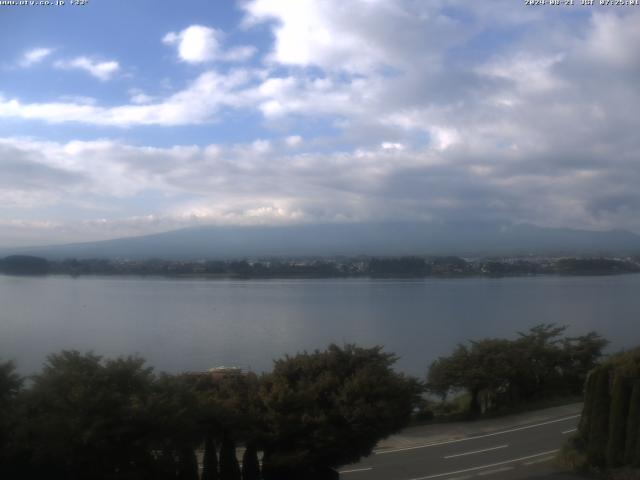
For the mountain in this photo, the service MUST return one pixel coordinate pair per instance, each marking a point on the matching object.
(391, 238)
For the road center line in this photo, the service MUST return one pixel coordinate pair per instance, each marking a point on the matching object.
(569, 431)
(447, 442)
(356, 470)
(477, 451)
(472, 469)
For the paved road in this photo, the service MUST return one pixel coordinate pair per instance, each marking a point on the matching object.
(517, 451)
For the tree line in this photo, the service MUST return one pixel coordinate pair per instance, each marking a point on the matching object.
(374, 267)
(609, 431)
(87, 417)
(497, 373)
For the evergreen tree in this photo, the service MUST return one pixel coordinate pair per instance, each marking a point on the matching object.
(587, 409)
(632, 445)
(599, 423)
(188, 464)
(618, 421)
(229, 468)
(210, 460)
(250, 464)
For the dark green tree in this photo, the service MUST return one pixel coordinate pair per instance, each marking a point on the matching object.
(632, 444)
(229, 468)
(618, 421)
(250, 463)
(10, 386)
(326, 409)
(599, 423)
(187, 464)
(210, 460)
(86, 418)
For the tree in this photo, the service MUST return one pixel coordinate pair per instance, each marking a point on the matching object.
(86, 418)
(326, 409)
(10, 386)
(599, 423)
(210, 460)
(187, 464)
(618, 421)
(229, 468)
(632, 444)
(498, 373)
(24, 265)
(250, 463)
(609, 429)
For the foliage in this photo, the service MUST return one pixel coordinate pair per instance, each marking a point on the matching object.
(610, 426)
(24, 265)
(250, 463)
(498, 373)
(87, 417)
(326, 409)
(632, 443)
(229, 468)
(210, 460)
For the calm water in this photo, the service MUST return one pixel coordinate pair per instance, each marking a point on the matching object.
(196, 324)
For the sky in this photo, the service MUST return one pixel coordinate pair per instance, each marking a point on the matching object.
(121, 118)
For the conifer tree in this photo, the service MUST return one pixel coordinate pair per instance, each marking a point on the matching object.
(210, 460)
(250, 464)
(618, 421)
(229, 468)
(632, 445)
(599, 424)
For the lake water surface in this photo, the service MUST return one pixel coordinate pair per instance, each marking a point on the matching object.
(194, 324)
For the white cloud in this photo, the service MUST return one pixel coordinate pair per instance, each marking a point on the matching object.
(392, 146)
(197, 103)
(36, 55)
(239, 54)
(101, 70)
(359, 36)
(196, 44)
(293, 140)
(200, 44)
(138, 97)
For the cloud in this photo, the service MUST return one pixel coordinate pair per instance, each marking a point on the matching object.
(34, 56)
(196, 44)
(101, 70)
(266, 182)
(407, 112)
(293, 140)
(198, 103)
(200, 44)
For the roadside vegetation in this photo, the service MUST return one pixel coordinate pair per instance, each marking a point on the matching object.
(85, 417)
(495, 375)
(608, 439)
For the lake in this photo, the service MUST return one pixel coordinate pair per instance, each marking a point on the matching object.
(195, 324)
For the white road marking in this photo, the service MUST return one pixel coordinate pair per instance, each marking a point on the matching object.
(477, 451)
(356, 470)
(569, 431)
(447, 442)
(497, 470)
(497, 464)
(533, 462)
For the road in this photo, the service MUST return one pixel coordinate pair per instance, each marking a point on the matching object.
(518, 451)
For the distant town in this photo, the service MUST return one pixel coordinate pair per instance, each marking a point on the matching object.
(339, 267)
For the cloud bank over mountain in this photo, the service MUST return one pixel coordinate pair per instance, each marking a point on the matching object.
(303, 112)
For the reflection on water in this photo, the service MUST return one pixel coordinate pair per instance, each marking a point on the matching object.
(196, 324)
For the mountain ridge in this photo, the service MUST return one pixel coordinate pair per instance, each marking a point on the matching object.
(340, 239)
